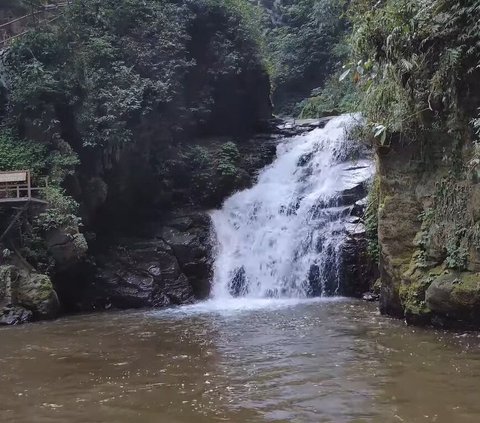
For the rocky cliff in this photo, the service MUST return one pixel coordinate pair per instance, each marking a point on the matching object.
(428, 229)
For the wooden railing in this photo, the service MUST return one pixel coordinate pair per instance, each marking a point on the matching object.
(16, 187)
(17, 27)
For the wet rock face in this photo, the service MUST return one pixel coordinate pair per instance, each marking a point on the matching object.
(25, 296)
(349, 270)
(358, 270)
(167, 264)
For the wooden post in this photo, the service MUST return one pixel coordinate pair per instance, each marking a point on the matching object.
(29, 183)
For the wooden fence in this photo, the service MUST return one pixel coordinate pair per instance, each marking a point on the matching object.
(19, 26)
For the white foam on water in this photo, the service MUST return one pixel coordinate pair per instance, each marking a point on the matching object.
(233, 306)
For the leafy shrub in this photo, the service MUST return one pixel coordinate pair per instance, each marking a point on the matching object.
(18, 154)
(302, 44)
(61, 212)
(416, 62)
(335, 97)
(211, 173)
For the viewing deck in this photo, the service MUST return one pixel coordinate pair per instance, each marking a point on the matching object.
(16, 187)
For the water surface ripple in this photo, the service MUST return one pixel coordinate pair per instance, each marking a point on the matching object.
(239, 361)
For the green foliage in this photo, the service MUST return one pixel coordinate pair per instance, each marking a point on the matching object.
(302, 44)
(457, 254)
(416, 62)
(62, 161)
(55, 160)
(227, 160)
(61, 212)
(209, 173)
(108, 65)
(248, 18)
(105, 64)
(334, 98)
(17, 154)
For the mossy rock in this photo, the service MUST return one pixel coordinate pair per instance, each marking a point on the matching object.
(35, 292)
(31, 291)
(412, 296)
(455, 295)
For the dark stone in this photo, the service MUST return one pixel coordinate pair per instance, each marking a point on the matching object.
(315, 281)
(169, 264)
(360, 207)
(15, 315)
(351, 195)
(292, 127)
(330, 270)
(305, 159)
(238, 285)
(66, 248)
(358, 271)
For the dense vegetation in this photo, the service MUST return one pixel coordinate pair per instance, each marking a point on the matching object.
(417, 63)
(108, 103)
(303, 43)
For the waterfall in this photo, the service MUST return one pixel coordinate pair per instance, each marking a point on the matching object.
(283, 237)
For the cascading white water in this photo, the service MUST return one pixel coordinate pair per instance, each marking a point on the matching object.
(282, 237)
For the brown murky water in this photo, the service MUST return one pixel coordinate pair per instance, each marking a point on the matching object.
(269, 361)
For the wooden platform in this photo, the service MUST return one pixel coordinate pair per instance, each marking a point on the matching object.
(16, 187)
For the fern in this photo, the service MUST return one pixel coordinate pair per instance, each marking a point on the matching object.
(427, 53)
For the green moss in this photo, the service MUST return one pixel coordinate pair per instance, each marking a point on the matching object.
(43, 286)
(466, 290)
(371, 220)
(412, 296)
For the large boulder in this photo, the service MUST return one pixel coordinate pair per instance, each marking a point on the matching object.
(455, 296)
(67, 247)
(25, 296)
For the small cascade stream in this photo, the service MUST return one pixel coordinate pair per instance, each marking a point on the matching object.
(283, 237)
